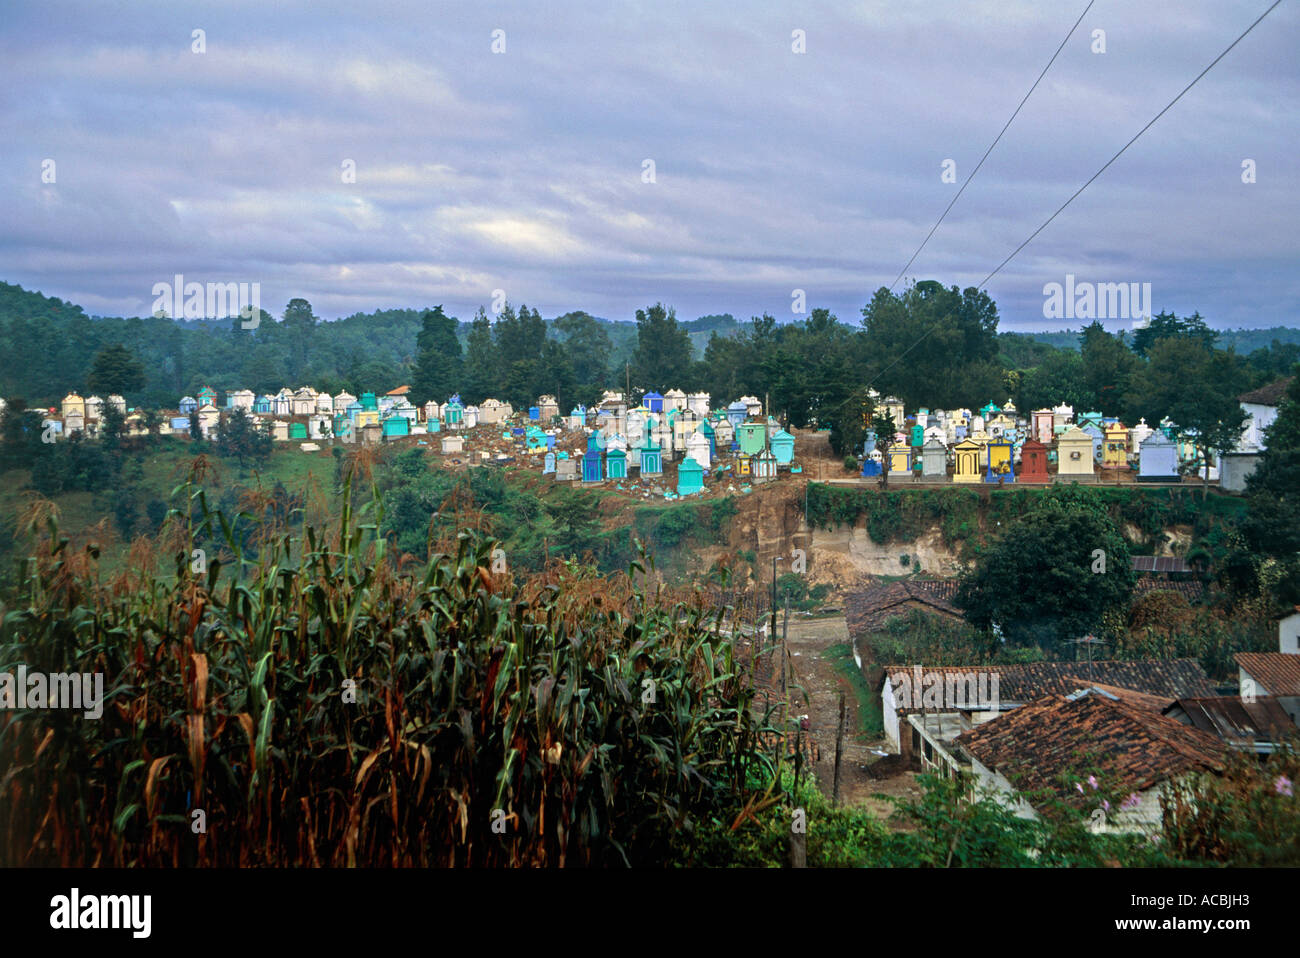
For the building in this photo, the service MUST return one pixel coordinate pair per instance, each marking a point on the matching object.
(1273, 674)
(453, 444)
(616, 463)
(900, 462)
(1001, 468)
(966, 461)
(652, 463)
(1157, 459)
(752, 437)
(764, 464)
(700, 449)
(1074, 458)
(690, 478)
(698, 403)
(591, 466)
(934, 460)
(782, 444)
(1114, 454)
(1033, 462)
(1260, 406)
(1050, 747)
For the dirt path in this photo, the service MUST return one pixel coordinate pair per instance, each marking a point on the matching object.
(807, 640)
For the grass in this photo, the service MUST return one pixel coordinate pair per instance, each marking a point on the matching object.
(870, 718)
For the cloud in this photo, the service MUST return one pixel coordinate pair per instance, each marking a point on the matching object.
(523, 170)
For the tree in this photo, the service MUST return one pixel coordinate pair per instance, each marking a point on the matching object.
(663, 349)
(112, 426)
(1196, 386)
(933, 345)
(1272, 524)
(115, 370)
(299, 327)
(1052, 576)
(885, 429)
(851, 422)
(480, 368)
(1108, 367)
(588, 347)
(1169, 326)
(438, 367)
(240, 437)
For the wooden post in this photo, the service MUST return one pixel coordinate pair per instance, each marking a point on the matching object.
(839, 748)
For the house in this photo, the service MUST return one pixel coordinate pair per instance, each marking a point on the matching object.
(240, 399)
(470, 417)
(893, 408)
(752, 437)
(396, 426)
(675, 399)
(566, 469)
(699, 449)
(1062, 416)
(1235, 467)
(1033, 462)
(943, 695)
(1274, 674)
(187, 405)
(1115, 451)
(493, 411)
(1033, 753)
(652, 463)
(297, 431)
(117, 402)
(262, 405)
(783, 447)
(342, 401)
(1288, 633)
(753, 407)
(690, 478)
(966, 461)
(453, 444)
(453, 414)
(1157, 459)
(934, 460)
(432, 411)
(706, 430)
(737, 412)
(325, 404)
(1136, 436)
(764, 464)
(698, 403)
(900, 462)
(1260, 406)
(725, 431)
(279, 430)
(653, 401)
(1260, 725)
(1074, 458)
(591, 465)
(547, 408)
(320, 425)
(209, 418)
(368, 414)
(1001, 469)
(616, 463)
(207, 395)
(577, 418)
(74, 405)
(548, 464)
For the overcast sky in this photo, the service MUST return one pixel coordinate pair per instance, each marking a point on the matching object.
(523, 170)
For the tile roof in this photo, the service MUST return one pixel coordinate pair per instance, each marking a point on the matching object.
(1277, 673)
(1235, 721)
(1270, 395)
(1193, 590)
(1163, 680)
(1130, 748)
(868, 609)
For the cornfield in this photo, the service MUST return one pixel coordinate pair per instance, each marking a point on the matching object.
(318, 704)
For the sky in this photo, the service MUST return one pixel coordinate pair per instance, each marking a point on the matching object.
(524, 169)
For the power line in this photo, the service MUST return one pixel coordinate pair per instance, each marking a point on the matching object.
(1227, 49)
(967, 183)
(1094, 176)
